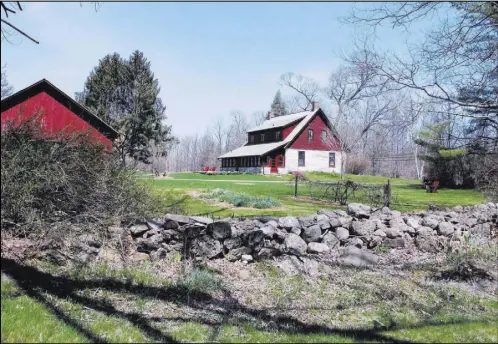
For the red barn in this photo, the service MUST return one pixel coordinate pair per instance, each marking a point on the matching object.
(58, 113)
(304, 141)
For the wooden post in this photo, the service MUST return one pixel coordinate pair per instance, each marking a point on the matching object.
(295, 187)
(387, 194)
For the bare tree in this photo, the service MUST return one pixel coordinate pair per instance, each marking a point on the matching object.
(307, 90)
(7, 89)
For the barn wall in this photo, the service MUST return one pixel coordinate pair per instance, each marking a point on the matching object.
(315, 160)
(55, 118)
(317, 124)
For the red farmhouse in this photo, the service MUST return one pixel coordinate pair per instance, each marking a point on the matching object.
(58, 113)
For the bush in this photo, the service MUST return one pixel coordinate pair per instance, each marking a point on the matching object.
(357, 164)
(65, 178)
(200, 281)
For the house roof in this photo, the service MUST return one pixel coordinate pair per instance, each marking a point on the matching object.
(81, 111)
(255, 150)
(280, 121)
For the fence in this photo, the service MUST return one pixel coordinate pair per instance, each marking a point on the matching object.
(344, 192)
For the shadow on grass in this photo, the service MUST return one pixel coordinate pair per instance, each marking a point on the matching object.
(36, 283)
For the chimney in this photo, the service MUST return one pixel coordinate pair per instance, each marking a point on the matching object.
(315, 105)
(270, 114)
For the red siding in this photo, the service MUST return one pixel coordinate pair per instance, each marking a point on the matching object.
(317, 124)
(287, 131)
(56, 117)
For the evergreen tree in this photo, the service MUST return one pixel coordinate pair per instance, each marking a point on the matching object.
(278, 106)
(126, 95)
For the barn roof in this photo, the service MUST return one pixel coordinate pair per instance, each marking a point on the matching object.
(253, 150)
(280, 121)
(81, 111)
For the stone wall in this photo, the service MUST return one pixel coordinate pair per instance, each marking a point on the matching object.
(352, 237)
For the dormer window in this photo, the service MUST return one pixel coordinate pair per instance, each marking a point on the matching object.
(251, 138)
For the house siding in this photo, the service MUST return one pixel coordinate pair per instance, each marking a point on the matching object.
(315, 160)
(317, 124)
(55, 118)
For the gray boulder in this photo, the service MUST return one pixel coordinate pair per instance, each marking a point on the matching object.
(232, 243)
(295, 245)
(331, 240)
(430, 221)
(154, 225)
(280, 234)
(181, 219)
(412, 223)
(445, 228)
(316, 247)
(268, 252)
(335, 222)
(219, 230)
(307, 221)
(289, 222)
(237, 253)
(268, 231)
(255, 239)
(392, 233)
(380, 233)
(359, 210)
(202, 220)
(272, 223)
(425, 231)
(363, 228)
(138, 229)
(312, 233)
(341, 233)
(159, 254)
(205, 246)
(354, 256)
(355, 241)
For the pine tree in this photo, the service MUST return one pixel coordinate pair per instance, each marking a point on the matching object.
(278, 106)
(126, 95)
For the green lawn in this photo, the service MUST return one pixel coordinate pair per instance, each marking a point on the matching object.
(408, 196)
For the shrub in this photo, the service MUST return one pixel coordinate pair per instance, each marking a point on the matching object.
(200, 281)
(240, 199)
(357, 164)
(65, 178)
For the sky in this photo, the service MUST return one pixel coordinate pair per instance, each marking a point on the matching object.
(210, 58)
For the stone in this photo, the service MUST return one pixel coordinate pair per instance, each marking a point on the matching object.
(392, 233)
(267, 219)
(272, 223)
(354, 256)
(331, 240)
(289, 222)
(412, 223)
(386, 211)
(244, 274)
(150, 244)
(268, 252)
(458, 208)
(258, 224)
(201, 219)
(232, 243)
(237, 253)
(335, 222)
(159, 254)
(138, 229)
(246, 257)
(321, 217)
(341, 233)
(329, 213)
(154, 225)
(316, 247)
(219, 230)
(380, 233)
(255, 239)
(355, 241)
(295, 230)
(393, 242)
(359, 210)
(395, 213)
(280, 234)
(307, 221)
(295, 245)
(374, 241)
(362, 228)
(430, 222)
(425, 231)
(311, 234)
(205, 246)
(170, 224)
(268, 231)
(181, 219)
(341, 213)
(324, 225)
(193, 231)
(429, 243)
(445, 228)
(140, 257)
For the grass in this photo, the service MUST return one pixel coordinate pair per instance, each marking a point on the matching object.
(240, 199)
(409, 198)
(141, 304)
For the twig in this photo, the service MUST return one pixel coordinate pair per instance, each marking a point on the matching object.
(20, 31)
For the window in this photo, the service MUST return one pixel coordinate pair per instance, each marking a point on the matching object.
(251, 138)
(281, 161)
(331, 159)
(262, 137)
(300, 160)
(273, 163)
(310, 135)
(277, 135)
(258, 161)
(324, 136)
(243, 162)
